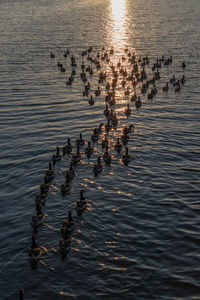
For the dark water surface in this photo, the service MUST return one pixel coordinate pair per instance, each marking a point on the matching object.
(140, 238)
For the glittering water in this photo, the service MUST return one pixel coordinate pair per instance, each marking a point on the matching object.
(139, 238)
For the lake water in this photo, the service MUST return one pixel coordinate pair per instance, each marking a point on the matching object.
(139, 237)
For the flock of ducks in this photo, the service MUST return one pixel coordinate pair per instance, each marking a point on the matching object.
(129, 75)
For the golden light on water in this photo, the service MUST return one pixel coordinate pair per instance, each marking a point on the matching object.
(118, 24)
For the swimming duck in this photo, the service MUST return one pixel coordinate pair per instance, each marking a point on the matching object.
(65, 187)
(97, 92)
(107, 157)
(44, 188)
(67, 149)
(134, 97)
(71, 171)
(138, 103)
(62, 69)
(76, 157)
(40, 199)
(125, 138)
(50, 173)
(183, 79)
(81, 204)
(104, 142)
(98, 167)
(52, 55)
(130, 128)
(166, 87)
(127, 111)
(65, 244)
(114, 119)
(38, 217)
(34, 253)
(173, 79)
(118, 146)
(183, 65)
(98, 130)
(56, 157)
(91, 100)
(126, 157)
(80, 142)
(67, 226)
(108, 126)
(177, 89)
(89, 149)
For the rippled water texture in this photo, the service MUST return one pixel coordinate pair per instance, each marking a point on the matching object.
(139, 238)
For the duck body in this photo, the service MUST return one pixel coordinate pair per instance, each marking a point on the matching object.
(81, 204)
(107, 157)
(50, 173)
(37, 220)
(126, 157)
(80, 142)
(65, 245)
(65, 187)
(118, 146)
(76, 157)
(67, 149)
(98, 168)
(89, 149)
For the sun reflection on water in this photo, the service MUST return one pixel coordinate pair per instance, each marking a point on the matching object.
(118, 31)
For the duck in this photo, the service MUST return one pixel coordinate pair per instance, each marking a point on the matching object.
(76, 157)
(44, 188)
(108, 127)
(67, 149)
(114, 119)
(97, 92)
(98, 168)
(134, 97)
(35, 252)
(38, 217)
(67, 226)
(56, 157)
(125, 138)
(41, 198)
(104, 142)
(138, 103)
(177, 83)
(130, 128)
(89, 149)
(71, 171)
(65, 187)
(127, 91)
(91, 100)
(118, 146)
(80, 142)
(52, 55)
(166, 87)
(177, 89)
(183, 79)
(62, 69)
(126, 158)
(81, 204)
(107, 157)
(183, 65)
(173, 79)
(50, 173)
(106, 112)
(65, 244)
(98, 130)
(127, 111)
